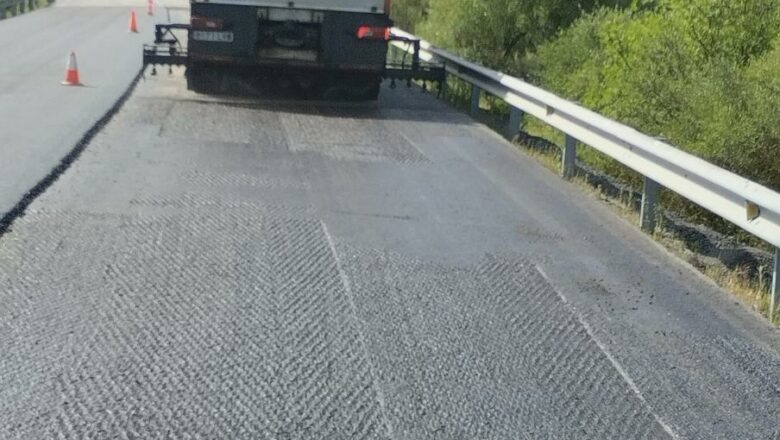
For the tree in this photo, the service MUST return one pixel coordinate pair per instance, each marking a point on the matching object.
(407, 14)
(733, 30)
(500, 33)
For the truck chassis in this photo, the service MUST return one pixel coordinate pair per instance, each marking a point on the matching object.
(168, 50)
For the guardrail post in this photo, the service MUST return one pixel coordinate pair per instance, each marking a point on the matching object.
(476, 95)
(648, 213)
(774, 295)
(569, 159)
(515, 121)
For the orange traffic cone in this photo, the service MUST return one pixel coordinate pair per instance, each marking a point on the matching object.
(150, 7)
(133, 22)
(72, 72)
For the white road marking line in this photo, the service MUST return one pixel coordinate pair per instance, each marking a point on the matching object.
(350, 297)
(609, 356)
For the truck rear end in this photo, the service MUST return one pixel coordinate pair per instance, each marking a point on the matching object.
(314, 43)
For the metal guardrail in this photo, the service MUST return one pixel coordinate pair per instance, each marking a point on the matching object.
(9, 8)
(749, 205)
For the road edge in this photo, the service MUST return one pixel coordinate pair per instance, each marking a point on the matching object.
(20, 208)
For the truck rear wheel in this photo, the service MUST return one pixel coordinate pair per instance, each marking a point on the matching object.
(223, 81)
(200, 81)
(371, 91)
(352, 87)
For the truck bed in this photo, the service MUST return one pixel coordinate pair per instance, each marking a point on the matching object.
(371, 6)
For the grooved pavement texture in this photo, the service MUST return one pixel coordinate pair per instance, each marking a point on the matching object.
(496, 327)
(231, 268)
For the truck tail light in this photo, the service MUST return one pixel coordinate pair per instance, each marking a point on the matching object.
(206, 23)
(368, 32)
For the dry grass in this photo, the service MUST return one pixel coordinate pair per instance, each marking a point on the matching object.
(752, 293)
(550, 161)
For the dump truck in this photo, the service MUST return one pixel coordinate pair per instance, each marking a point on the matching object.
(312, 44)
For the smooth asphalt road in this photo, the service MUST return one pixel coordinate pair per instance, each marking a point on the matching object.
(41, 120)
(258, 269)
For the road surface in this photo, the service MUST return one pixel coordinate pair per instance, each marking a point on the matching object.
(234, 268)
(42, 120)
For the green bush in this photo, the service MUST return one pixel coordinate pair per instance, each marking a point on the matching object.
(408, 13)
(701, 74)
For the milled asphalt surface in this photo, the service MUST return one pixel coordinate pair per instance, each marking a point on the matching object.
(235, 268)
(42, 120)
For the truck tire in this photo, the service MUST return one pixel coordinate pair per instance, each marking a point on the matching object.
(365, 88)
(203, 81)
(350, 87)
(195, 80)
(371, 91)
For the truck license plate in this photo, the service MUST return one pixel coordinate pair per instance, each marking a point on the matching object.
(217, 37)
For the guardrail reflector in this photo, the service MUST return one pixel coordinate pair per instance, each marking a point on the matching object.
(753, 211)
